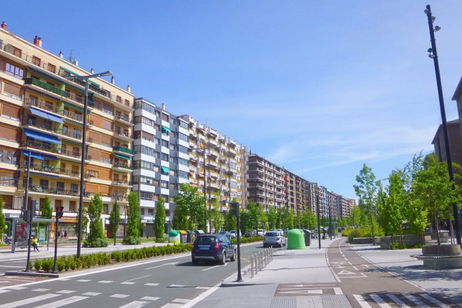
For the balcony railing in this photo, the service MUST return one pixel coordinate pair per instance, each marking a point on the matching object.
(50, 169)
(7, 181)
(49, 148)
(123, 117)
(53, 190)
(45, 86)
(73, 115)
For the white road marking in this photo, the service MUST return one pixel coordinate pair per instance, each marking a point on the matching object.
(202, 288)
(17, 288)
(105, 281)
(119, 295)
(379, 300)
(157, 266)
(12, 266)
(4, 291)
(128, 282)
(415, 300)
(172, 305)
(397, 301)
(176, 286)
(151, 284)
(28, 301)
(361, 301)
(40, 290)
(84, 280)
(181, 300)
(345, 272)
(434, 300)
(209, 268)
(338, 291)
(141, 277)
(149, 298)
(134, 304)
(355, 268)
(91, 293)
(65, 291)
(63, 302)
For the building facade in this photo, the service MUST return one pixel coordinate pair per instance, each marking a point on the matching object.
(161, 162)
(41, 112)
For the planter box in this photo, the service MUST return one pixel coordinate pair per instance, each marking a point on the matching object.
(441, 257)
(408, 239)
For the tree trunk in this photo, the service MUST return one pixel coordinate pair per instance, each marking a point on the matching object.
(437, 230)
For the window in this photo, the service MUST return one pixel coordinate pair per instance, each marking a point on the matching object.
(12, 90)
(183, 149)
(92, 173)
(146, 150)
(164, 117)
(13, 50)
(184, 124)
(14, 70)
(165, 143)
(144, 195)
(118, 99)
(72, 206)
(74, 188)
(182, 174)
(183, 161)
(164, 156)
(157, 113)
(60, 187)
(127, 102)
(36, 60)
(51, 68)
(183, 137)
(163, 184)
(44, 184)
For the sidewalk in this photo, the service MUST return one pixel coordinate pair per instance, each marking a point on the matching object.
(291, 271)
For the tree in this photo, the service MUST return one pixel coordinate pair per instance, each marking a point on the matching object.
(308, 220)
(159, 222)
(96, 235)
(114, 221)
(45, 208)
(272, 217)
(230, 221)
(190, 212)
(134, 220)
(356, 217)
(366, 190)
(432, 191)
(2, 220)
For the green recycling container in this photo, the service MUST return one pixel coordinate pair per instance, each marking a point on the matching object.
(174, 236)
(296, 239)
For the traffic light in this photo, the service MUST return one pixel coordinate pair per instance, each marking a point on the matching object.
(235, 208)
(59, 211)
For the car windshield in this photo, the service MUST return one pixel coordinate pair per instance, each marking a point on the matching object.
(204, 240)
(271, 234)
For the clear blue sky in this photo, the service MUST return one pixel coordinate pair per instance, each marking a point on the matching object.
(319, 87)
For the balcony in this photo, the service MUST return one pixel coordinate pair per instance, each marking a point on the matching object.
(7, 181)
(49, 148)
(120, 183)
(122, 135)
(54, 170)
(123, 118)
(53, 190)
(40, 103)
(72, 115)
(45, 86)
(123, 150)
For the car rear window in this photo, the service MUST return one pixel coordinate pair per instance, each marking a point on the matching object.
(206, 240)
(271, 234)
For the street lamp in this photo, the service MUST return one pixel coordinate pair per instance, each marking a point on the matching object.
(205, 183)
(434, 55)
(82, 161)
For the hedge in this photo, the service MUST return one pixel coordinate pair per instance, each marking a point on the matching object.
(245, 240)
(66, 263)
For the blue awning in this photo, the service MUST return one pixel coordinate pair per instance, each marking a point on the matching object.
(46, 115)
(44, 174)
(42, 136)
(33, 155)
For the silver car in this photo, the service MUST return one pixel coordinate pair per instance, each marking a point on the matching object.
(274, 238)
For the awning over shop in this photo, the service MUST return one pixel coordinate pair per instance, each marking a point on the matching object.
(42, 136)
(46, 115)
(122, 156)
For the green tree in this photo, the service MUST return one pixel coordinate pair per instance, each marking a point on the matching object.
(432, 191)
(272, 217)
(308, 220)
(45, 208)
(159, 222)
(257, 217)
(114, 221)
(134, 220)
(230, 221)
(96, 234)
(190, 209)
(367, 190)
(2, 220)
(356, 217)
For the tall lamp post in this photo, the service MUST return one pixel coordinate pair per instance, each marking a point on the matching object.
(204, 173)
(85, 79)
(432, 53)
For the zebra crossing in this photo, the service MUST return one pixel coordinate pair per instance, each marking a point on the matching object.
(404, 300)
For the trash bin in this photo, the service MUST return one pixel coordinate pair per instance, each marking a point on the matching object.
(307, 237)
(183, 236)
(191, 236)
(296, 239)
(174, 236)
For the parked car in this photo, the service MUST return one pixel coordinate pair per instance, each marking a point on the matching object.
(213, 247)
(225, 233)
(233, 233)
(274, 238)
(260, 232)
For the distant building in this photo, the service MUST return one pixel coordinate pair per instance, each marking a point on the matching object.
(455, 142)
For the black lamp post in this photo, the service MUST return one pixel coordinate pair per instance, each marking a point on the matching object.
(82, 160)
(432, 53)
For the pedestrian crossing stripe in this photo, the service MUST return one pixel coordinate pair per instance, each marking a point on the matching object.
(63, 302)
(417, 300)
(28, 301)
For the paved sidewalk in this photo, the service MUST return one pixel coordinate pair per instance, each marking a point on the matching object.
(277, 285)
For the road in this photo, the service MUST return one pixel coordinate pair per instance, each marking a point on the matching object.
(168, 282)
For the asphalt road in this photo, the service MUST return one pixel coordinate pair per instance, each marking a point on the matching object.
(168, 282)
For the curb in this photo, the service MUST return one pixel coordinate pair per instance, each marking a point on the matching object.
(32, 274)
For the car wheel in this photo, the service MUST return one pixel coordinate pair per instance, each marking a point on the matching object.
(223, 259)
(233, 258)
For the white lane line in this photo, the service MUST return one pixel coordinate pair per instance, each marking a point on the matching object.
(63, 302)
(91, 293)
(151, 284)
(4, 291)
(134, 304)
(28, 301)
(119, 295)
(65, 291)
(209, 268)
(12, 266)
(105, 281)
(361, 301)
(180, 300)
(157, 266)
(415, 300)
(434, 300)
(84, 280)
(338, 291)
(172, 305)
(128, 282)
(17, 288)
(202, 288)
(379, 300)
(149, 298)
(141, 277)
(176, 286)
(399, 302)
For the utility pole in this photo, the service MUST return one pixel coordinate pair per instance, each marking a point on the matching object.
(318, 214)
(434, 55)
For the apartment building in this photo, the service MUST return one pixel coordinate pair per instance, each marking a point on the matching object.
(161, 162)
(41, 117)
(266, 182)
(297, 188)
(216, 164)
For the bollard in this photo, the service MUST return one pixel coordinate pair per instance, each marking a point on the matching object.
(251, 266)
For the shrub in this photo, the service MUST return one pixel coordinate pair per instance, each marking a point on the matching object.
(38, 265)
(132, 240)
(99, 242)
